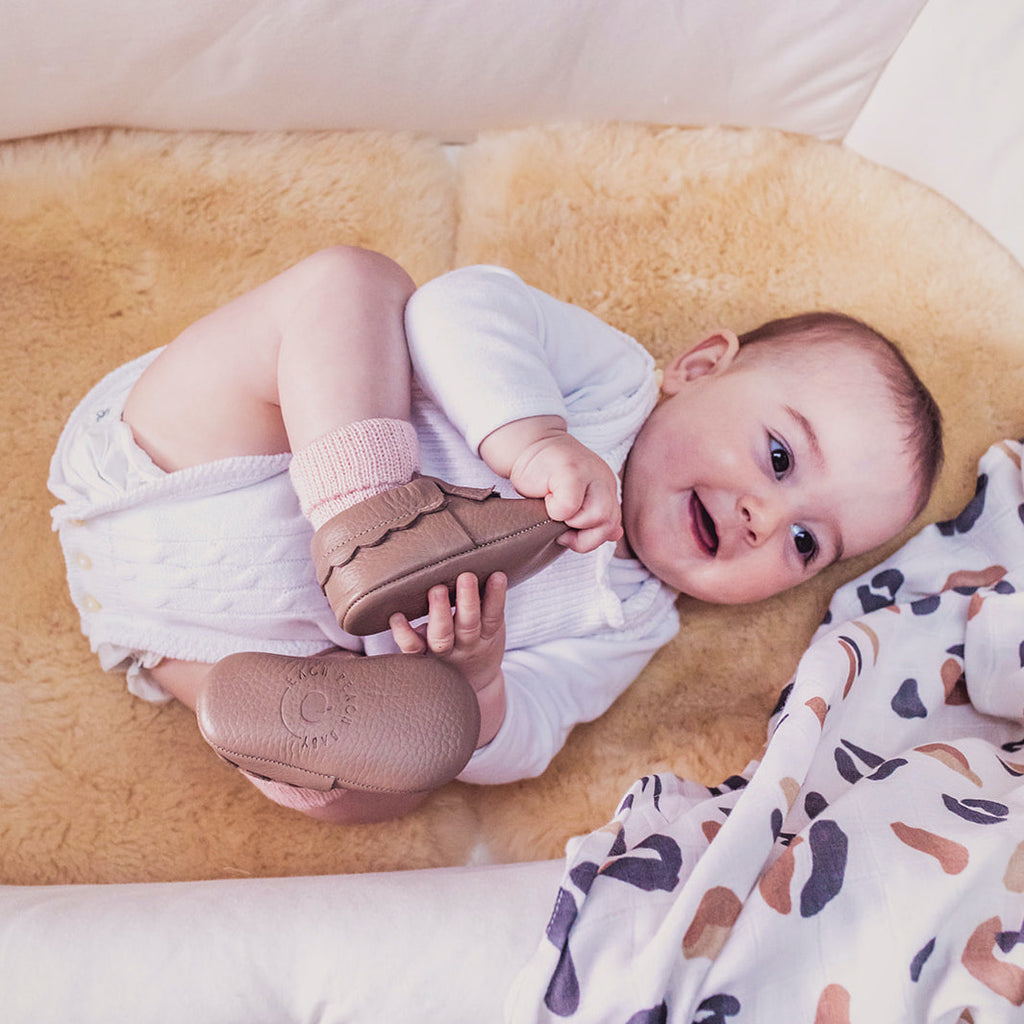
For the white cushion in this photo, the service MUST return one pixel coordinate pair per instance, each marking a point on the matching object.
(949, 111)
(445, 67)
(439, 946)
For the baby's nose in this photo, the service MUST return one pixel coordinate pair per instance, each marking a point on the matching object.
(759, 517)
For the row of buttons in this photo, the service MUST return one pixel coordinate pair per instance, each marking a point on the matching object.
(83, 561)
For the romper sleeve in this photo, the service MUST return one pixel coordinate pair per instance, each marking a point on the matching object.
(489, 349)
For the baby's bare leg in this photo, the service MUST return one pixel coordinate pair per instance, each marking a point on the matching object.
(182, 679)
(318, 347)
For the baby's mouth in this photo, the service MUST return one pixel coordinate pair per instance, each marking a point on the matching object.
(703, 525)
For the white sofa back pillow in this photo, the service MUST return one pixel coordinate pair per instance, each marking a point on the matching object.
(445, 67)
(949, 111)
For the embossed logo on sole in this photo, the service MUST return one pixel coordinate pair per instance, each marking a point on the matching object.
(309, 709)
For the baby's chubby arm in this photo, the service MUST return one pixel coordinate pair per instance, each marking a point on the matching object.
(506, 363)
(542, 460)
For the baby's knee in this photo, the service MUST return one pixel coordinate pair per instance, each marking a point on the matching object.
(363, 272)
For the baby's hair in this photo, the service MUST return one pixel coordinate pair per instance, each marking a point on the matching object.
(915, 407)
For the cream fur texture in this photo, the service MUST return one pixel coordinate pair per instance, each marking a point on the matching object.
(112, 241)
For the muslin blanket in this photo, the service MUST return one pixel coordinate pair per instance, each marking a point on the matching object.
(869, 867)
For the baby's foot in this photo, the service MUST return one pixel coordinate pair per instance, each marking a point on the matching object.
(384, 554)
(392, 723)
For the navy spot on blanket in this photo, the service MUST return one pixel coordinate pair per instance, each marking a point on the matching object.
(907, 703)
(814, 804)
(562, 918)
(776, 823)
(657, 793)
(970, 514)
(717, 1008)
(781, 702)
(885, 770)
(926, 605)
(729, 785)
(583, 876)
(649, 780)
(980, 812)
(871, 759)
(917, 964)
(1015, 772)
(1007, 940)
(619, 847)
(563, 993)
(845, 766)
(1020, 512)
(848, 769)
(1020, 653)
(649, 873)
(889, 580)
(829, 847)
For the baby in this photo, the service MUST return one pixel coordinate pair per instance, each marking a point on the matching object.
(193, 479)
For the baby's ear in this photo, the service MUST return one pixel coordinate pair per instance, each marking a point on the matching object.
(711, 356)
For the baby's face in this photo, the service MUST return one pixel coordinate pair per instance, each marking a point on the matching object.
(752, 475)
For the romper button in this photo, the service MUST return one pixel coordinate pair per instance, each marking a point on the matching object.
(83, 561)
(90, 604)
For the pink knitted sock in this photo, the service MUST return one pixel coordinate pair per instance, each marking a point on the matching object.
(298, 798)
(351, 464)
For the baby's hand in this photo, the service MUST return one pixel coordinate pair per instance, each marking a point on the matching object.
(578, 488)
(542, 460)
(472, 640)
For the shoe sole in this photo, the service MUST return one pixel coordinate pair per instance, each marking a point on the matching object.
(392, 723)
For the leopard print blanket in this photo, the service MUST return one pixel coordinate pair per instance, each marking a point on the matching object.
(869, 866)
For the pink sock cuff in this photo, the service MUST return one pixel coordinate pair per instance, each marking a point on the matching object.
(351, 464)
(297, 798)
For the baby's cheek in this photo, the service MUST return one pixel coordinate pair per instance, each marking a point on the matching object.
(767, 573)
(729, 462)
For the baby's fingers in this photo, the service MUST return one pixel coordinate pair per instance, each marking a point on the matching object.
(583, 541)
(440, 626)
(598, 521)
(467, 609)
(492, 611)
(567, 500)
(408, 639)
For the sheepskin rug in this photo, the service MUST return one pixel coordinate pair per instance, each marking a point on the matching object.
(112, 241)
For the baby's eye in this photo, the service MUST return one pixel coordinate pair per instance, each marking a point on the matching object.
(804, 542)
(781, 459)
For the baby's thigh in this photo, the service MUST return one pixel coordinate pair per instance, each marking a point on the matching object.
(212, 392)
(182, 679)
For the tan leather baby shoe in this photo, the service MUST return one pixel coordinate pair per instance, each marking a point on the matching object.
(382, 555)
(393, 723)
